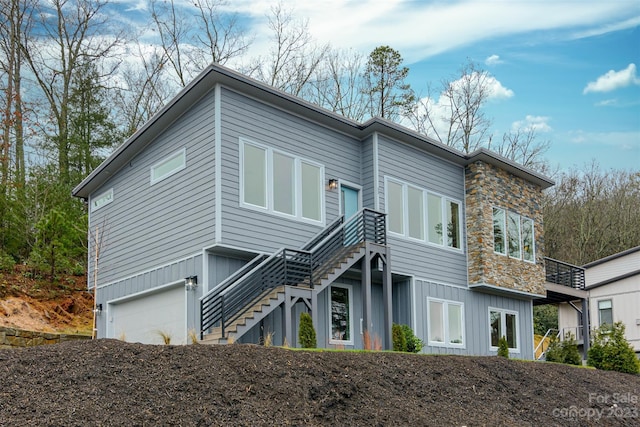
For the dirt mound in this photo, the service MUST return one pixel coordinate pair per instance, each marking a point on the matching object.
(108, 382)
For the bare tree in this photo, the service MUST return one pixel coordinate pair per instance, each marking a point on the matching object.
(590, 214)
(194, 35)
(523, 146)
(67, 34)
(294, 58)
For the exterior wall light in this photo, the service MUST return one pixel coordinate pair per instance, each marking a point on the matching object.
(333, 184)
(98, 309)
(191, 283)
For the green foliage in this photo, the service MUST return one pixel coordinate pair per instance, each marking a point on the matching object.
(545, 317)
(565, 351)
(398, 338)
(503, 347)
(6, 262)
(306, 331)
(414, 344)
(610, 350)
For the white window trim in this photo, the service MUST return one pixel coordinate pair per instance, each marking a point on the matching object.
(506, 235)
(269, 208)
(108, 195)
(503, 325)
(349, 289)
(445, 313)
(405, 215)
(599, 314)
(180, 153)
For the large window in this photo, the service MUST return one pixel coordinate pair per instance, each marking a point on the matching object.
(341, 314)
(418, 214)
(169, 166)
(280, 183)
(513, 234)
(503, 323)
(605, 312)
(446, 323)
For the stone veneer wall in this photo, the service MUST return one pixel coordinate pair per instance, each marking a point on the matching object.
(12, 338)
(487, 187)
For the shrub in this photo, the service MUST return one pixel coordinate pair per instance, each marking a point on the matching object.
(414, 344)
(610, 350)
(570, 353)
(6, 262)
(306, 332)
(398, 338)
(554, 351)
(503, 347)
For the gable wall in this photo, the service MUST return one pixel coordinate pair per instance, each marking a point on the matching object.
(149, 225)
(243, 117)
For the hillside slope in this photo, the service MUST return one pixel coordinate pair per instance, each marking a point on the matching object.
(108, 382)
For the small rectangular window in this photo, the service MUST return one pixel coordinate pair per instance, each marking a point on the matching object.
(395, 207)
(102, 200)
(605, 312)
(453, 224)
(341, 314)
(169, 166)
(498, 231)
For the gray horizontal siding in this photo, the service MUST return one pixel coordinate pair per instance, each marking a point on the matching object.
(424, 170)
(476, 316)
(368, 174)
(154, 224)
(146, 281)
(247, 118)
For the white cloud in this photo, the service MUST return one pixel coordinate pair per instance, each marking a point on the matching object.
(613, 80)
(493, 60)
(607, 103)
(626, 141)
(536, 123)
(496, 90)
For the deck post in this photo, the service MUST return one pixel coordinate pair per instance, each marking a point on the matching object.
(286, 308)
(366, 291)
(586, 327)
(387, 299)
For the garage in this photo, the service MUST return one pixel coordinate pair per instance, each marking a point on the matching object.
(149, 317)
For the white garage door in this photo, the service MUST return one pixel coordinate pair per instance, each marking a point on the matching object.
(147, 318)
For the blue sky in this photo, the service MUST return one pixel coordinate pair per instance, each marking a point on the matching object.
(570, 68)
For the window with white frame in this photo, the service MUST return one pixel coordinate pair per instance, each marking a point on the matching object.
(503, 323)
(341, 314)
(605, 312)
(419, 214)
(169, 166)
(101, 200)
(280, 183)
(513, 234)
(446, 323)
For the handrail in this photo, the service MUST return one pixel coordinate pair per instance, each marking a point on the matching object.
(544, 338)
(562, 273)
(290, 267)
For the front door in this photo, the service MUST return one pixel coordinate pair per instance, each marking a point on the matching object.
(349, 206)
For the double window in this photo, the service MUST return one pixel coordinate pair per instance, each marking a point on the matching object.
(280, 183)
(503, 323)
(513, 235)
(341, 315)
(418, 214)
(446, 323)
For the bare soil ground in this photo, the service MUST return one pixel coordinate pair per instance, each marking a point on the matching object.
(35, 303)
(109, 382)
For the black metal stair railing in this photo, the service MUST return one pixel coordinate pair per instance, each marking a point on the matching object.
(291, 267)
(564, 274)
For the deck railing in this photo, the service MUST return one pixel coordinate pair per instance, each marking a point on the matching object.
(564, 274)
(232, 298)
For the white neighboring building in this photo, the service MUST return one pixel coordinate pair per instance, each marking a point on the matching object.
(613, 286)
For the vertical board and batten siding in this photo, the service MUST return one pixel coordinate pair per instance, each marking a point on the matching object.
(155, 224)
(477, 333)
(220, 267)
(144, 282)
(416, 167)
(244, 117)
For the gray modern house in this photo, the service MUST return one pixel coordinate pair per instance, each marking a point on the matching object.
(238, 206)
